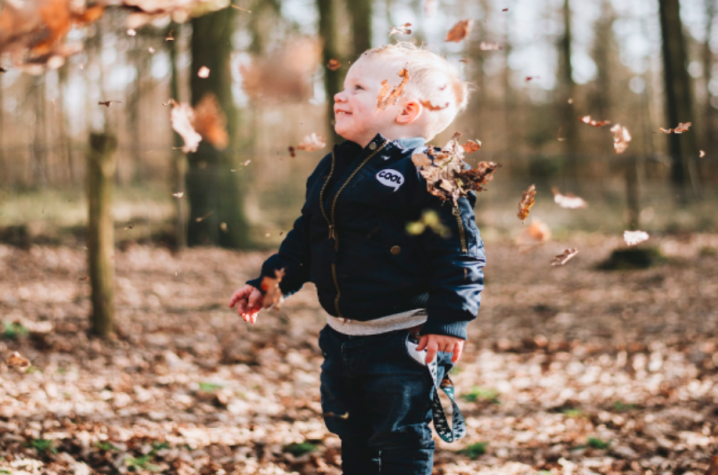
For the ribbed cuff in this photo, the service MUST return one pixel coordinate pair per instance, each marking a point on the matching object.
(435, 326)
(257, 284)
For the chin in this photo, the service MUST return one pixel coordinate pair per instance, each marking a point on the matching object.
(344, 132)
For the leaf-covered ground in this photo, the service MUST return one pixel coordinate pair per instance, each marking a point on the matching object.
(567, 369)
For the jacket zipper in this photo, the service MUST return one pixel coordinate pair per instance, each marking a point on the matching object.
(330, 218)
(462, 232)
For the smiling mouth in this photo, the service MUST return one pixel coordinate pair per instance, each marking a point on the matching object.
(338, 113)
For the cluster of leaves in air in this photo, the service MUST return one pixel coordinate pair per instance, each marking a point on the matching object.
(389, 96)
(205, 121)
(447, 175)
(33, 32)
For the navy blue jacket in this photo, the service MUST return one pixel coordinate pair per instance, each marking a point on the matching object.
(351, 241)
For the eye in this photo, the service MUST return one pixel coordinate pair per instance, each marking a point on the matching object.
(358, 87)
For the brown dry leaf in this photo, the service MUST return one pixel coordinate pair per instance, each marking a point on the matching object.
(181, 119)
(389, 96)
(635, 237)
(210, 122)
(459, 31)
(203, 72)
(489, 46)
(16, 360)
(527, 201)
(107, 103)
(429, 105)
(400, 30)
(593, 123)
(447, 175)
(713, 467)
(569, 200)
(533, 235)
(33, 31)
(333, 64)
(312, 142)
(285, 73)
(621, 137)
(682, 127)
(273, 295)
(472, 146)
(562, 259)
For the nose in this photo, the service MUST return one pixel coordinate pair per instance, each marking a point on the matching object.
(339, 97)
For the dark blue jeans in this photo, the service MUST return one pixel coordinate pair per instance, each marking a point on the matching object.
(376, 398)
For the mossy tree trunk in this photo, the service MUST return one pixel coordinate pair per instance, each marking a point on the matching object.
(213, 191)
(101, 167)
(569, 126)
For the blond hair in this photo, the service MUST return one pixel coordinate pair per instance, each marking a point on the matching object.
(434, 81)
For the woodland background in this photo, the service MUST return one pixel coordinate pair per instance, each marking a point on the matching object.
(604, 365)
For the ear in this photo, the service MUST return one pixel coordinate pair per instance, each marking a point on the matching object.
(410, 112)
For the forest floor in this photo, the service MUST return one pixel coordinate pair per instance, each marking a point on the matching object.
(567, 370)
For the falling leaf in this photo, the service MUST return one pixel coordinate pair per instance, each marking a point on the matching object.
(447, 175)
(107, 103)
(635, 237)
(247, 162)
(429, 105)
(210, 122)
(130, 225)
(241, 9)
(400, 30)
(333, 64)
(489, 46)
(16, 360)
(531, 78)
(568, 201)
(389, 97)
(181, 118)
(292, 153)
(151, 50)
(312, 142)
(223, 227)
(459, 31)
(701, 154)
(587, 120)
(272, 294)
(682, 127)
(533, 235)
(527, 201)
(203, 72)
(131, 32)
(562, 259)
(505, 10)
(472, 146)
(178, 195)
(621, 137)
(199, 219)
(170, 36)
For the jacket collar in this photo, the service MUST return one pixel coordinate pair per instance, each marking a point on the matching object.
(404, 143)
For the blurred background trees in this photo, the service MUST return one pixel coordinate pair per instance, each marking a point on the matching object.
(644, 64)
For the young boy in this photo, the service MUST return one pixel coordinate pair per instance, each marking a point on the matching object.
(381, 286)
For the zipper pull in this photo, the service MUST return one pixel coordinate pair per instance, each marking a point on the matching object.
(332, 234)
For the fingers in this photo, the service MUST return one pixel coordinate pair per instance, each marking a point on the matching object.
(422, 343)
(254, 301)
(432, 348)
(456, 352)
(238, 295)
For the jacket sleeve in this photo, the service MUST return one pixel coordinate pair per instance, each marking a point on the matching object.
(456, 262)
(294, 252)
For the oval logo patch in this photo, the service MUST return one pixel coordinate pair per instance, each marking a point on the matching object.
(390, 178)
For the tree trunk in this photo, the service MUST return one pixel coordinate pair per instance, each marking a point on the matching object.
(566, 98)
(679, 101)
(100, 231)
(332, 79)
(709, 110)
(216, 204)
(632, 192)
(179, 160)
(361, 12)
(65, 140)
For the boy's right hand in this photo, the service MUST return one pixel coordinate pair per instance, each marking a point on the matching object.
(249, 302)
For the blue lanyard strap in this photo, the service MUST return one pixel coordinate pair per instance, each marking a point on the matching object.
(441, 423)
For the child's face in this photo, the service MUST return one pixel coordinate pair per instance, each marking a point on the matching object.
(355, 108)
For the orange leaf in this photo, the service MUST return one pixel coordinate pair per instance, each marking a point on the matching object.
(400, 30)
(333, 64)
(429, 105)
(568, 201)
(273, 295)
(562, 259)
(621, 137)
(587, 120)
(210, 122)
(682, 127)
(181, 119)
(459, 31)
(16, 360)
(389, 96)
(472, 146)
(527, 201)
(312, 142)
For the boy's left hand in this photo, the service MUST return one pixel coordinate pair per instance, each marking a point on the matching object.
(436, 343)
